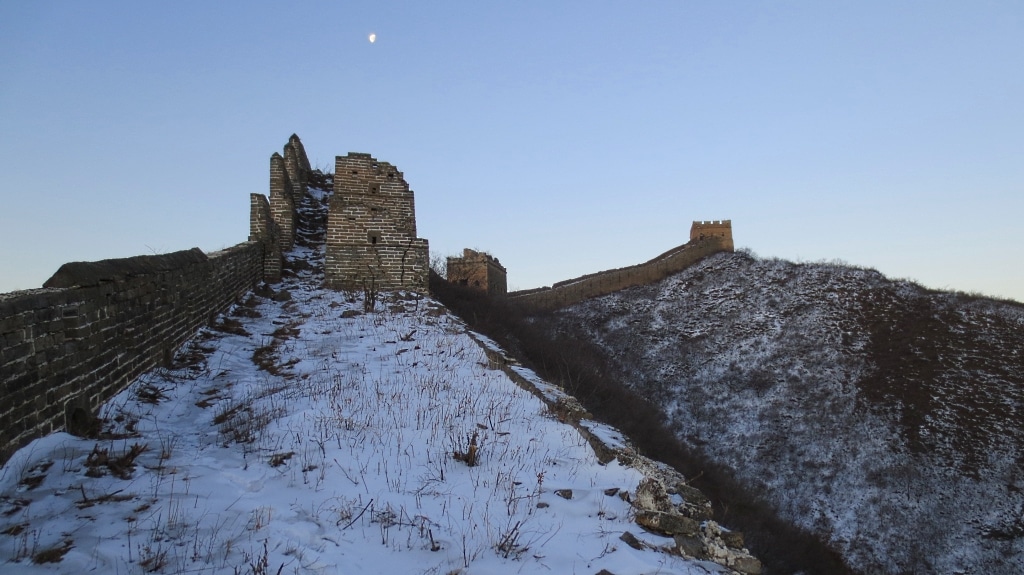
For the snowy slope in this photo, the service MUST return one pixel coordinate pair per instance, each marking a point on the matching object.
(884, 417)
(301, 435)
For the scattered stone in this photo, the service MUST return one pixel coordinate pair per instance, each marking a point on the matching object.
(747, 565)
(632, 541)
(350, 313)
(695, 504)
(564, 493)
(651, 496)
(689, 546)
(612, 491)
(543, 505)
(667, 523)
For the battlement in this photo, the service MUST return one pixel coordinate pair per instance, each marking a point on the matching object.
(478, 270)
(721, 229)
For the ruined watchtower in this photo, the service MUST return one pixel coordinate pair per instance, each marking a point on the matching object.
(371, 229)
(478, 270)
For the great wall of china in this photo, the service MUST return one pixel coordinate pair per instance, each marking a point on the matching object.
(96, 326)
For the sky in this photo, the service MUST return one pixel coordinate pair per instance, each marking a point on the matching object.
(562, 137)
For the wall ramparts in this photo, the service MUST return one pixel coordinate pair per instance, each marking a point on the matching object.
(263, 229)
(569, 292)
(67, 348)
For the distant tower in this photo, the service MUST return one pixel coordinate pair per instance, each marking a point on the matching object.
(716, 230)
(478, 270)
(371, 229)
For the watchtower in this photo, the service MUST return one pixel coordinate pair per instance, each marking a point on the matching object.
(478, 270)
(719, 230)
(371, 229)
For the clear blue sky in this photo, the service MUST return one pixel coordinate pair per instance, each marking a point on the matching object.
(563, 137)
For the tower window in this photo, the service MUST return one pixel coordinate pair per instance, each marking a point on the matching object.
(374, 238)
(374, 188)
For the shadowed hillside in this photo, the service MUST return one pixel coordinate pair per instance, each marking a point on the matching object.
(881, 415)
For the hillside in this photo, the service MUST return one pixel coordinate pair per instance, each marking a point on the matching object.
(302, 432)
(884, 417)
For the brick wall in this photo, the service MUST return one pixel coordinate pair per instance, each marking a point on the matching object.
(572, 291)
(282, 205)
(371, 229)
(263, 229)
(97, 326)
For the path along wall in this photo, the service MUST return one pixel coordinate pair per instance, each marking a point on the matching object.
(573, 291)
(96, 326)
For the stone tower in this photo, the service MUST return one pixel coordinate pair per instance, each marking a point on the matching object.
(371, 229)
(478, 270)
(718, 230)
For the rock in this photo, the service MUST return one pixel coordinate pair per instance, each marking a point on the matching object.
(612, 491)
(651, 496)
(695, 504)
(747, 565)
(564, 493)
(283, 295)
(688, 546)
(605, 572)
(733, 539)
(667, 523)
(632, 541)
(349, 313)
(542, 505)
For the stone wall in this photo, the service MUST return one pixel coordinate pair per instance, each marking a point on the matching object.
(572, 291)
(478, 270)
(371, 229)
(95, 327)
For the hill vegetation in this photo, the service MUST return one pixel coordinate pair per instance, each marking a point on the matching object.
(879, 415)
(591, 374)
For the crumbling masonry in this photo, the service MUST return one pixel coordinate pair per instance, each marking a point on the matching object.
(478, 270)
(371, 229)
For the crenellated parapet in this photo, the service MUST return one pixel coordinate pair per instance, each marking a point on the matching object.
(264, 230)
(720, 230)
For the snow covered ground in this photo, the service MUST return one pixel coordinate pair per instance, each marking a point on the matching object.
(301, 435)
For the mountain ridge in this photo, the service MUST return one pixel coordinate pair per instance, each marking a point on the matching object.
(852, 400)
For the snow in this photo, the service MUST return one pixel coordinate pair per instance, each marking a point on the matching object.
(336, 454)
(763, 364)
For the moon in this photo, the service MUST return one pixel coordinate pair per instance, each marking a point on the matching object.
(373, 37)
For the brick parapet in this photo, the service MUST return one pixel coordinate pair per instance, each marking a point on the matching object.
(68, 349)
(264, 230)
